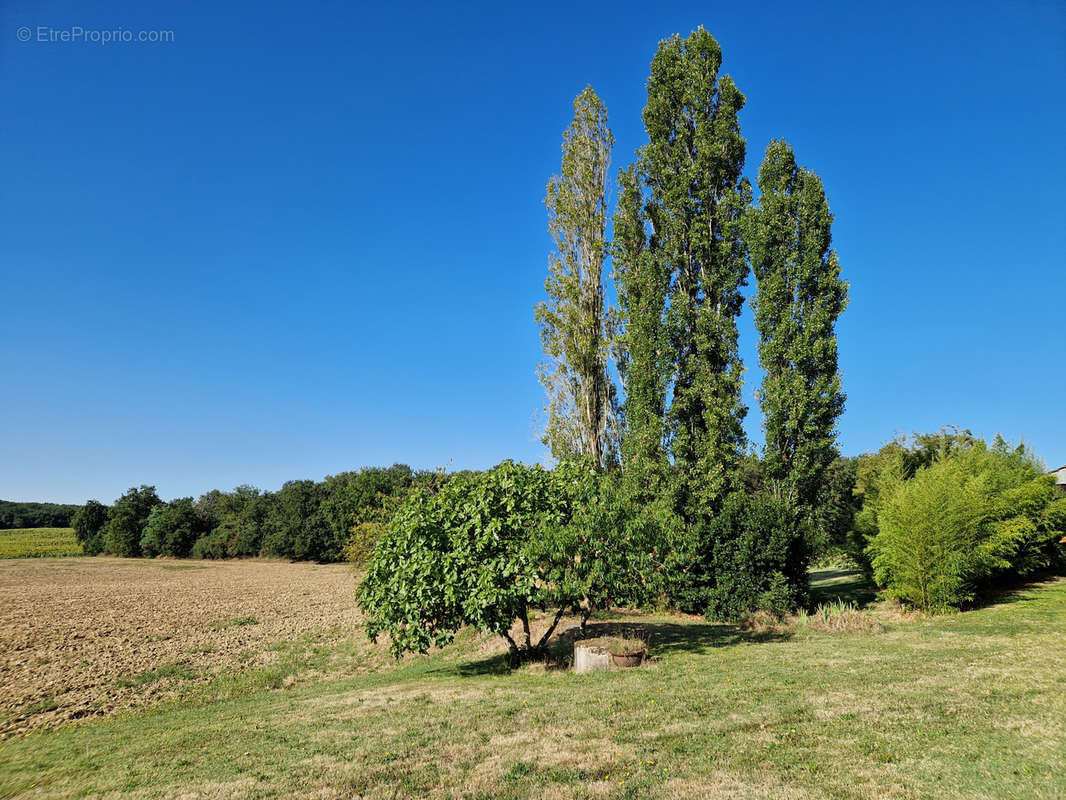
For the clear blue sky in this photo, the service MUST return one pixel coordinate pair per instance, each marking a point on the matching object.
(300, 239)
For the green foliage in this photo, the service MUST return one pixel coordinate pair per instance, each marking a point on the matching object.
(692, 168)
(242, 523)
(832, 518)
(800, 297)
(973, 518)
(357, 505)
(581, 416)
(173, 528)
(465, 556)
(36, 515)
(878, 474)
(641, 345)
(490, 548)
(305, 520)
(606, 551)
(362, 540)
(127, 519)
(90, 524)
(928, 533)
(216, 544)
(756, 555)
(296, 528)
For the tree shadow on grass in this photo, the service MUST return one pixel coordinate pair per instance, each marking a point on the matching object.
(1020, 590)
(844, 585)
(668, 638)
(663, 638)
(498, 664)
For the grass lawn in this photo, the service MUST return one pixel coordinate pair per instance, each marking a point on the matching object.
(38, 543)
(964, 706)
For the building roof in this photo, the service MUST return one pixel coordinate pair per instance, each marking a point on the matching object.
(1060, 474)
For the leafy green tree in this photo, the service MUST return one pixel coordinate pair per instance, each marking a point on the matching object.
(751, 556)
(127, 519)
(357, 504)
(580, 394)
(462, 557)
(90, 523)
(833, 516)
(800, 297)
(173, 528)
(489, 549)
(36, 515)
(692, 167)
(641, 345)
(295, 526)
(607, 551)
(245, 521)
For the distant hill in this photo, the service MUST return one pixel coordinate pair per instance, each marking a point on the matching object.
(35, 515)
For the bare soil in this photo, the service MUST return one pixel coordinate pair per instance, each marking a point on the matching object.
(90, 636)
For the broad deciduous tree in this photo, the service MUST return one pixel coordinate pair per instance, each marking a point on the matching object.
(90, 524)
(127, 519)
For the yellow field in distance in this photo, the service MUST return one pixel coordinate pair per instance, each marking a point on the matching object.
(38, 543)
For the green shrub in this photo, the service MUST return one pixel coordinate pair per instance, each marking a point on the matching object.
(465, 556)
(603, 551)
(879, 474)
(756, 555)
(172, 529)
(489, 548)
(923, 553)
(362, 541)
(970, 520)
(90, 527)
(212, 546)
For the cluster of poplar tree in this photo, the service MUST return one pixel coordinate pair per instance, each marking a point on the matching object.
(686, 234)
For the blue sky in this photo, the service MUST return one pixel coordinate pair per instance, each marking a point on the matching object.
(301, 239)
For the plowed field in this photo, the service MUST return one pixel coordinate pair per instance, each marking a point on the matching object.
(88, 636)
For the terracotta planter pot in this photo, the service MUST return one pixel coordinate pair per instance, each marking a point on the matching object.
(628, 659)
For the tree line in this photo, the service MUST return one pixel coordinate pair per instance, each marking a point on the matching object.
(334, 519)
(14, 514)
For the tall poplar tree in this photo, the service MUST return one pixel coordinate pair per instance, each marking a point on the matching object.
(692, 167)
(800, 295)
(580, 394)
(641, 344)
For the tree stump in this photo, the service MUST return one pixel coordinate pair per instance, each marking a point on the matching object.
(590, 658)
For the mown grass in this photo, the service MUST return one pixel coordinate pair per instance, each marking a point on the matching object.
(971, 705)
(38, 543)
